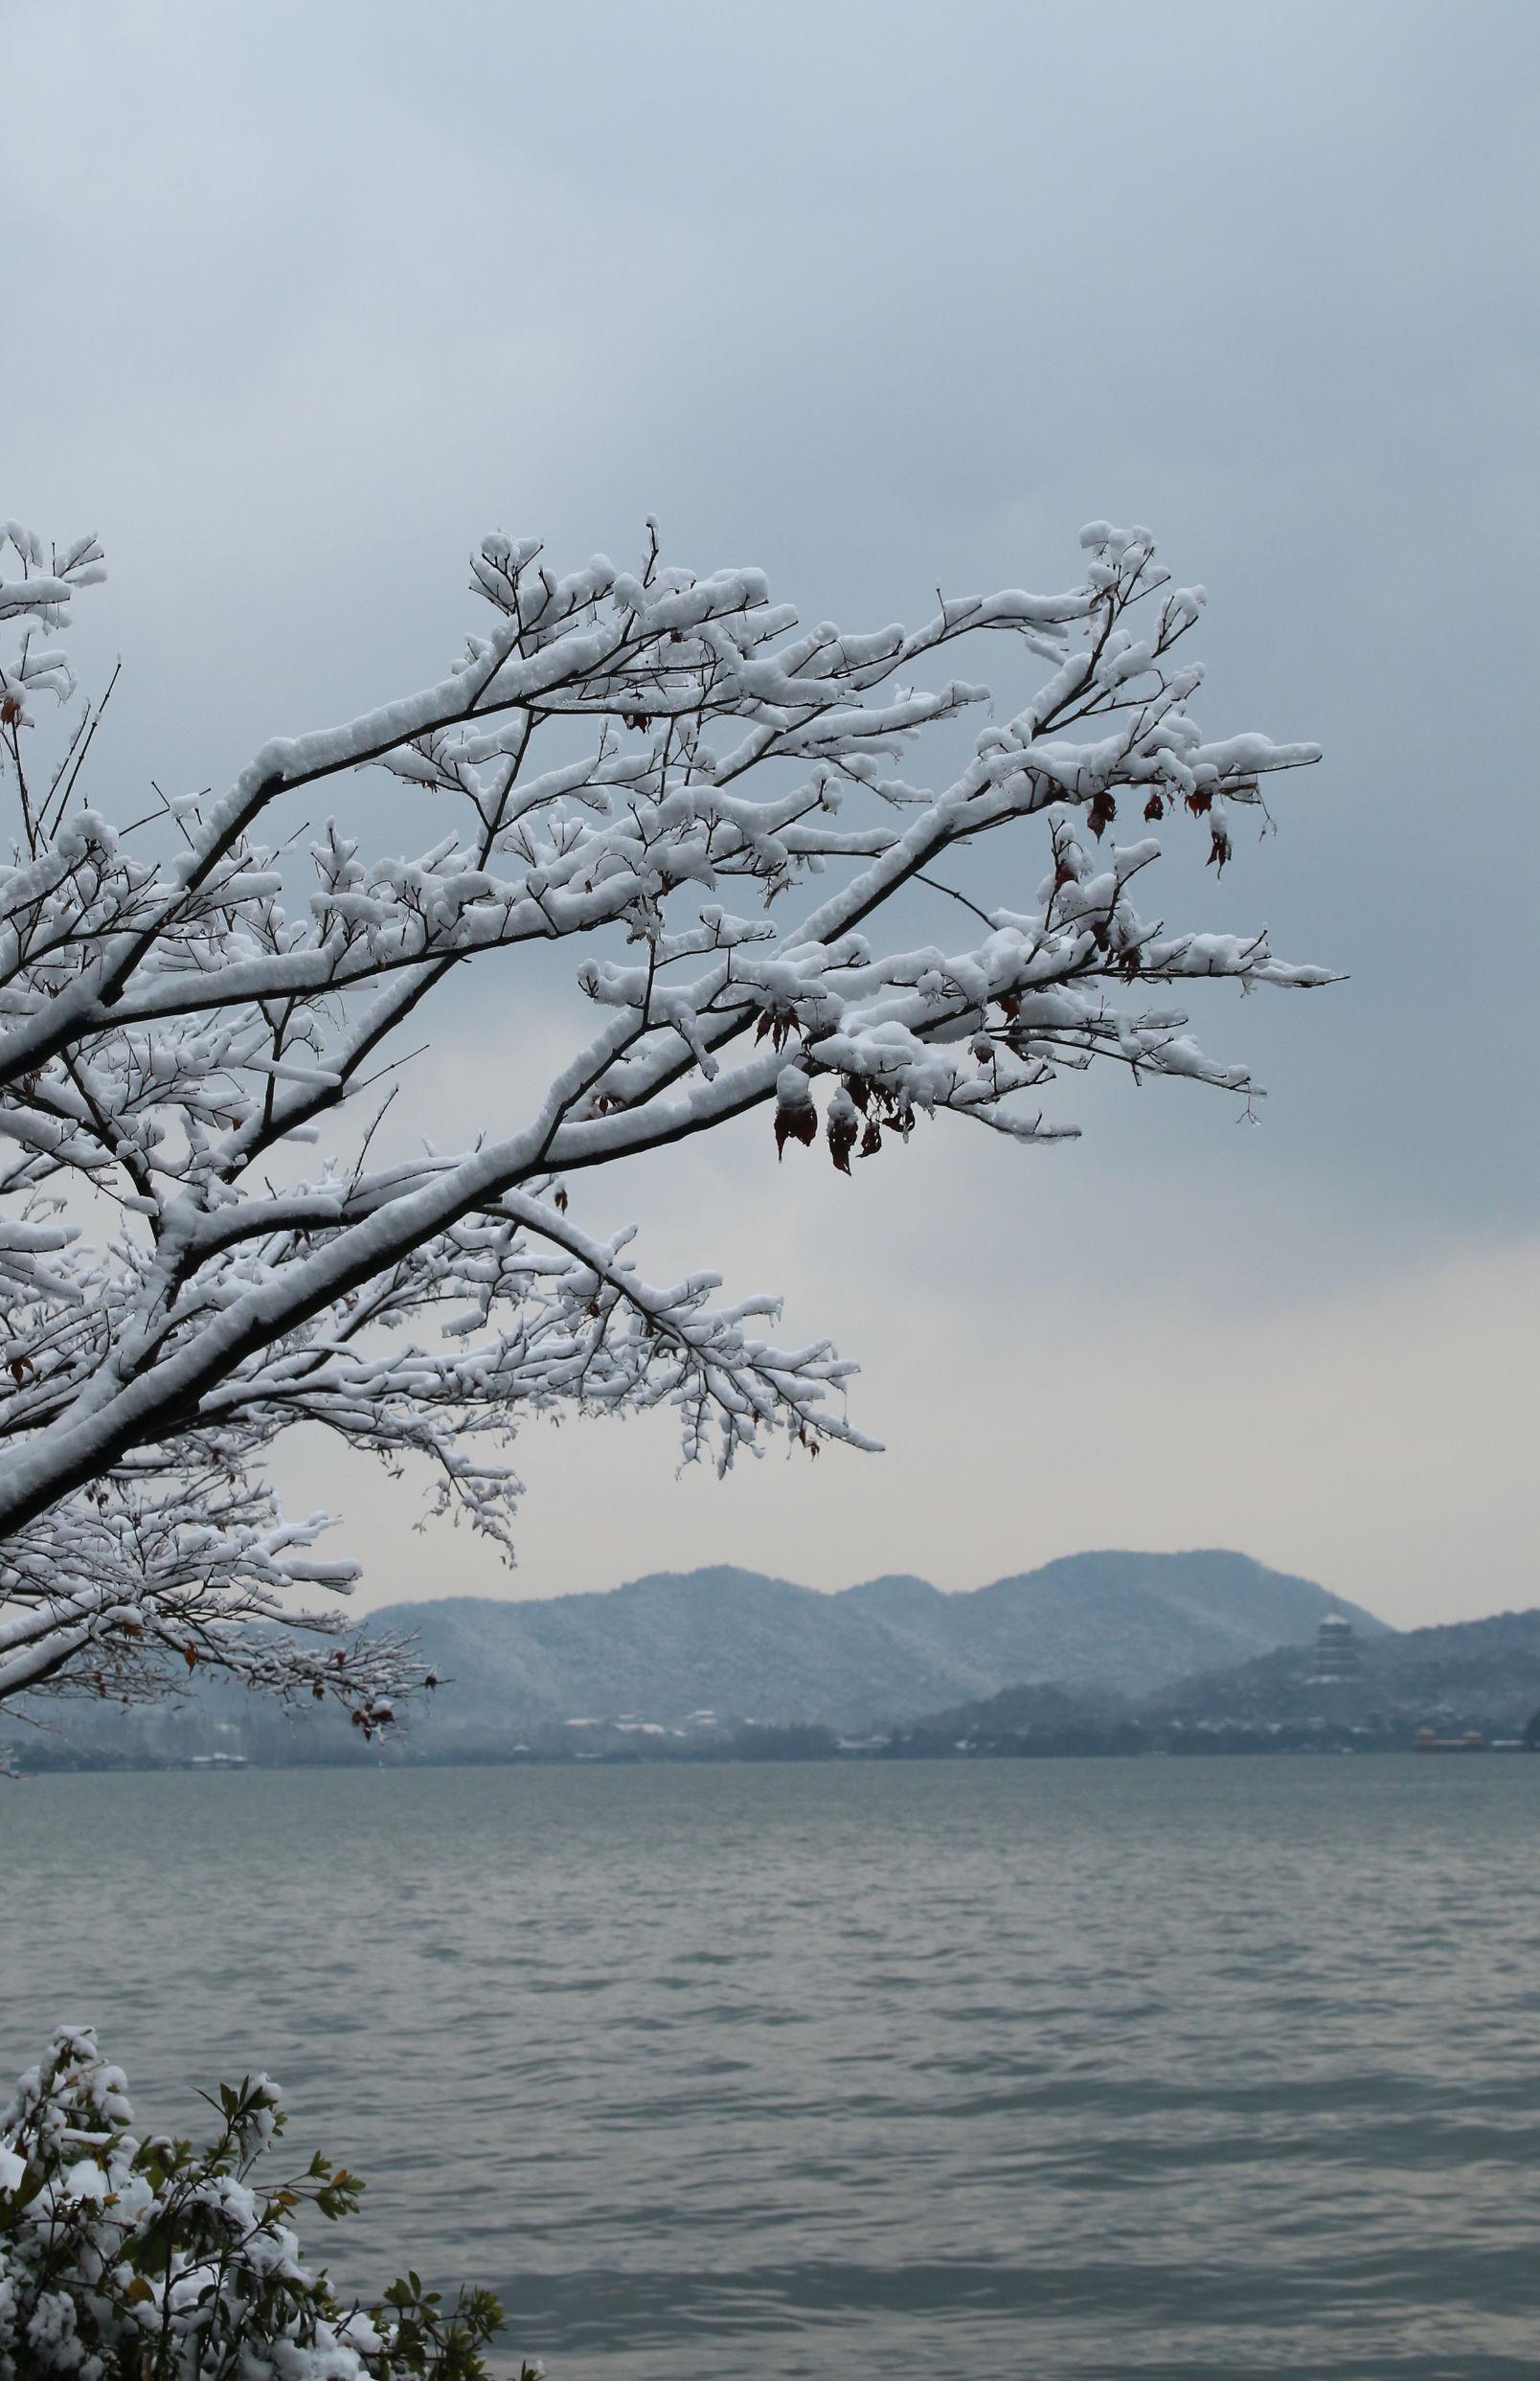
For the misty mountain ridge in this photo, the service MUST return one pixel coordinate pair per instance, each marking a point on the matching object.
(1454, 1679)
(1455, 1674)
(712, 1648)
(743, 1645)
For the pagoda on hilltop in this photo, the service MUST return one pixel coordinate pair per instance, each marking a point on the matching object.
(1336, 1651)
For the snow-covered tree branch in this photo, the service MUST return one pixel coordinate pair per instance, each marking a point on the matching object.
(705, 798)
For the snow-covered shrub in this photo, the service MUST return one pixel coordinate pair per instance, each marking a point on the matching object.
(129, 2260)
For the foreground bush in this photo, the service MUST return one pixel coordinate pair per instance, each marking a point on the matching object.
(123, 2259)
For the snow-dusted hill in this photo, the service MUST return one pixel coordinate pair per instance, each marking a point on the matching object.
(743, 1647)
(746, 1646)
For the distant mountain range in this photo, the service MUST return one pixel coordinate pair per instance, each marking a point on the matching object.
(743, 1647)
(710, 1648)
(1097, 1654)
(1465, 1674)
(1481, 1676)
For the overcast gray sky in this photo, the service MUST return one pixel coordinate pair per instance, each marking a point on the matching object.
(300, 302)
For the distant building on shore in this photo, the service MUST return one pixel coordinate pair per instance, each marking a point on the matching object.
(1336, 1652)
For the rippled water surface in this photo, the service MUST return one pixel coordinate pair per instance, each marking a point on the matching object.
(1020, 2069)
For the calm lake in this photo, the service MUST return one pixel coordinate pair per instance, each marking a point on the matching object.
(1023, 2069)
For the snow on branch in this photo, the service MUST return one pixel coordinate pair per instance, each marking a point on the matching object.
(705, 797)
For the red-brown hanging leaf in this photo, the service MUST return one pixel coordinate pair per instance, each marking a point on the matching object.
(799, 1123)
(841, 1131)
(20, 1370)
(10, 709)
(1155, 807)
(1200, 802)
(559, 1202)
(189, 1655)
(1100, 812)
(1219, 850)
(872, 1138)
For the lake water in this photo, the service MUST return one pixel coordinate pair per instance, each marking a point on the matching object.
(1022, 2069)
